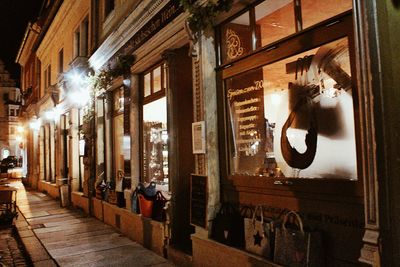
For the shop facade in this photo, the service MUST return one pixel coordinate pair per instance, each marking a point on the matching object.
(274, 105)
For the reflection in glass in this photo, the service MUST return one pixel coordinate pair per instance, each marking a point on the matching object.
(314, 11)
(155, 141)
(157, 79)
(147, 84)
(274, 20)
(294, 117)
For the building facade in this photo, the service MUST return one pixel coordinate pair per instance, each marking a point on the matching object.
(275, 105)
(12, 136)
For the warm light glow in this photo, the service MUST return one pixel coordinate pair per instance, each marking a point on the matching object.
(276, 99)
(20, 129)
(75, 77)
(18, 138)
(79, 97)
(35, 124)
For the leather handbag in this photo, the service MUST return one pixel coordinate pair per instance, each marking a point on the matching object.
(159, 212)
(297, 247)
(259, 234)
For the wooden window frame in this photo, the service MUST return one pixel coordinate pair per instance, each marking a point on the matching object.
(148, 99)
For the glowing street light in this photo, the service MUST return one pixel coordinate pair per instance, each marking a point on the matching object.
(35, 124)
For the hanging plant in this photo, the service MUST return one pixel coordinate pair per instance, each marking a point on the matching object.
(202, 15)
(104, 78)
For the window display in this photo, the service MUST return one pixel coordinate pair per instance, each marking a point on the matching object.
(155, 141)
(294, 117)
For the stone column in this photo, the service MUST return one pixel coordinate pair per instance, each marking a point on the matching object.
(205, 94)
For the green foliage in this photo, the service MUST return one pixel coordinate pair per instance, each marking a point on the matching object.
(103, 79)
(202, 16)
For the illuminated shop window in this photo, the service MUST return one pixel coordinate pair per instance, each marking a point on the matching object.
(155, 132)
(294, 117)
(118, 131)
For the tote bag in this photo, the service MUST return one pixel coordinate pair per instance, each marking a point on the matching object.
(259, 235)
(298, 248)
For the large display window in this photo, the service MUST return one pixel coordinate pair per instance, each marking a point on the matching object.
(289, 109)
(154, 126)
(294, 117)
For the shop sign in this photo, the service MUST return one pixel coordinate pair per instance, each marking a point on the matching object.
(154, 25)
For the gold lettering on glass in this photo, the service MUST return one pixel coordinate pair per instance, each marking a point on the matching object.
(233, 44)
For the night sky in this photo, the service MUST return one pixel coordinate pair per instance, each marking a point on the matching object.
(14, 18)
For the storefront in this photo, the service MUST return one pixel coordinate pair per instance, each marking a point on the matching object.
(288, 122)
(143, 126)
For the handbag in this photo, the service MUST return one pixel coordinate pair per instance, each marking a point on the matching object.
(259, 235)
(159, 213)
(145, 206)
(298, 248)
(135, 202)
(227, 226)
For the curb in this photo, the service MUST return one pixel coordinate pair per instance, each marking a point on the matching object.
(32, 245)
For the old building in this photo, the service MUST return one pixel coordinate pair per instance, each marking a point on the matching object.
(274, 104)
(11, 131)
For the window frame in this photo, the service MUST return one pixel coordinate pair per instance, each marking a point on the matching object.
(148, 99)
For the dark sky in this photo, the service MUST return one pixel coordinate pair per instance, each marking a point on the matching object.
(14, 18)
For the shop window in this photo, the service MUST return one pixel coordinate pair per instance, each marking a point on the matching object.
(155, 141)
(118, 132)
(155, 132)
(274, 20)
(269, 21)
(294, 117)
(81, 150)
(237, 38)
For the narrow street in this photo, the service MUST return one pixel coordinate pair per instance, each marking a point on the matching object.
(67, 237)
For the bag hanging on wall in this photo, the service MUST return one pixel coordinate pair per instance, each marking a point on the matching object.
(259, 235)
(227, 226)
(298, 248)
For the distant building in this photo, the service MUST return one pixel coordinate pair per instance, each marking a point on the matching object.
(10, 138)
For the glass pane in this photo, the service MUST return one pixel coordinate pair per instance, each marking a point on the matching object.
(314, 11)
(147, 84)
(294, 118)
(164, 76)
(157, 79)
(155, 141)
(119, 100)
(118, 129)
(274, 20)
(236, 38)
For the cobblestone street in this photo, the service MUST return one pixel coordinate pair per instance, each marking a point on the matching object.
(11, 252)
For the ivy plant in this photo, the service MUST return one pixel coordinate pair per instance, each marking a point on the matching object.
(202, 15)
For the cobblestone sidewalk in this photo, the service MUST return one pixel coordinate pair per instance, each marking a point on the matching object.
(11, 253)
